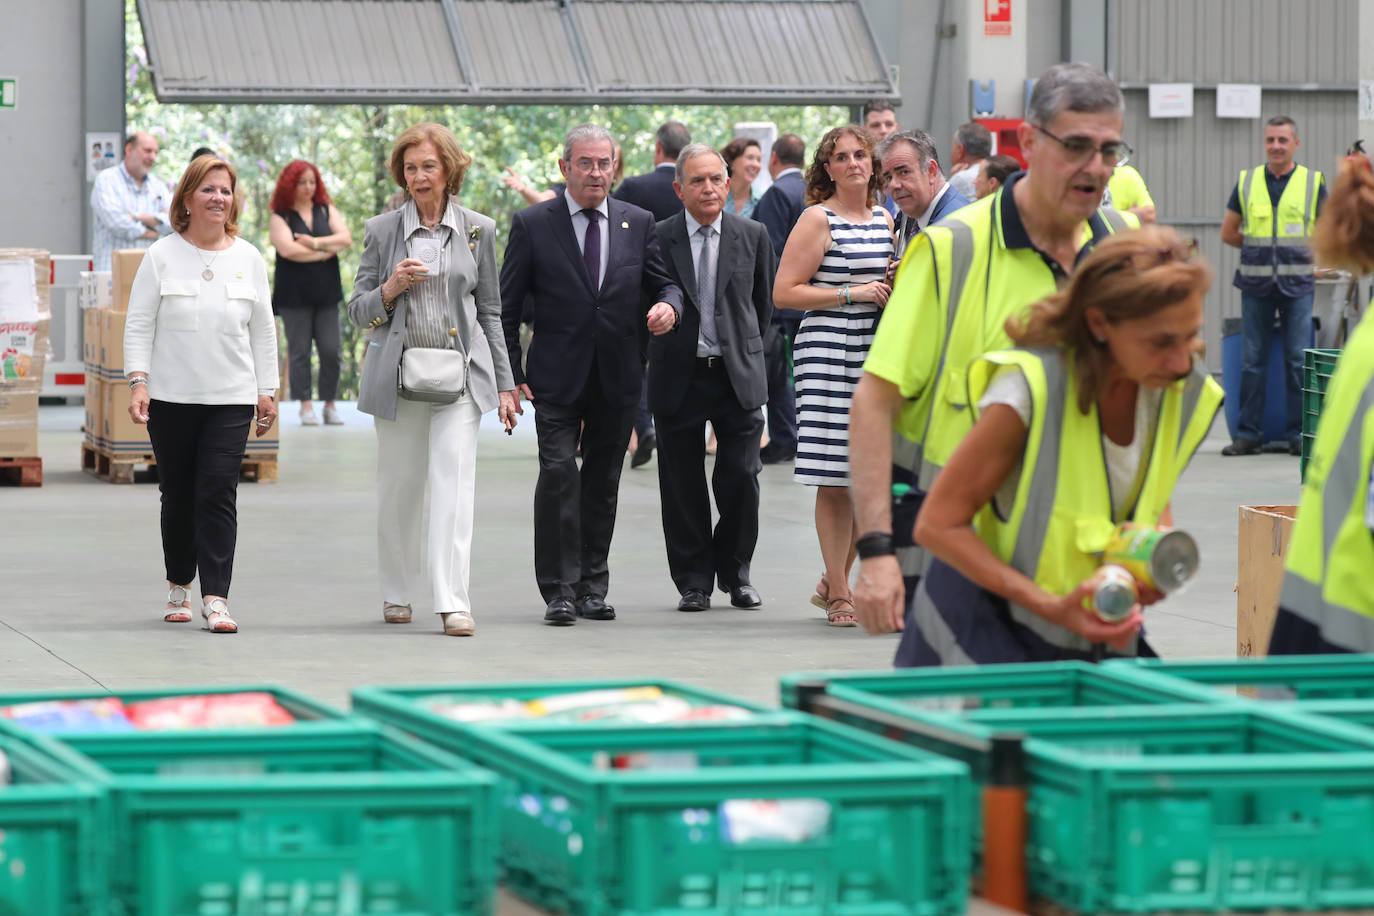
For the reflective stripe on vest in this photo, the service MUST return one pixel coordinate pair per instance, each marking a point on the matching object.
(1327, 581)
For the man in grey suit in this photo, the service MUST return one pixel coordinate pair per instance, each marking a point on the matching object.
(711, 369)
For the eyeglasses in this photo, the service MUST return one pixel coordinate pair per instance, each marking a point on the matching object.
(592, 166)
(1080, 150)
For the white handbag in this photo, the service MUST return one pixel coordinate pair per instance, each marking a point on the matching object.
(433, 375)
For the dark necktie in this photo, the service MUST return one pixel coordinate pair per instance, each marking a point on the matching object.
(591, 248)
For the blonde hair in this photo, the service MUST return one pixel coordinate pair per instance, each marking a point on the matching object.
(451, 155)
(1132, 275)
(196, 172)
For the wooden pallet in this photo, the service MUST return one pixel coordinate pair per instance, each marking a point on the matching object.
(21, 472)
(121, 467)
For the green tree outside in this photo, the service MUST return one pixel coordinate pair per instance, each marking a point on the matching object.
(351, 145)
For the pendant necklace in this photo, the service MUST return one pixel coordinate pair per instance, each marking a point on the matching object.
(207, 273)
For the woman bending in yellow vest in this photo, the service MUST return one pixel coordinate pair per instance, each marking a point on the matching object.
(1086, 425)
(1327, 602)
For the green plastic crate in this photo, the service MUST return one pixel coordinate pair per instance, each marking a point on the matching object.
(1190, 807)
(398, 700)
(967, 690)
(343, 818)
(581, 839)
(1317, 368)
(1279, 677)
(54, 823)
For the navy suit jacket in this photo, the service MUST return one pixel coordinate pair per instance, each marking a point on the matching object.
(653, 191)
(743, 308)
(779, 209)
(952, 201)
(574, 324)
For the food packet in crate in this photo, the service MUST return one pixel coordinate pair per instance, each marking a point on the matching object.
(467, 708)
(102, 714)
(777, 820)
(216, 710)
(594, 704)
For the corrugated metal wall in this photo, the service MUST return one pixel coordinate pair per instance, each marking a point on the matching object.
(1191, 164)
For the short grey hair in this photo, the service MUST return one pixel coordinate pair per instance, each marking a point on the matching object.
(693, 150)
(921, 143)
(975, 139)
(1073, 87)
(586, 133)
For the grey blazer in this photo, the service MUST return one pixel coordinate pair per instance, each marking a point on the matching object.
(475, 283)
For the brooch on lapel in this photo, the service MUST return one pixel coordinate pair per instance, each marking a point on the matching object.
(624, 224)
(474, 234)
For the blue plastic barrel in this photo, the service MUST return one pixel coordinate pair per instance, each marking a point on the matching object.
(1272, 426)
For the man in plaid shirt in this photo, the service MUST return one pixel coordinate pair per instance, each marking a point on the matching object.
(129, 203)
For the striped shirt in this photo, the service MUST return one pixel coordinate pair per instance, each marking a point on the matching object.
(114, 199)
(431, 314)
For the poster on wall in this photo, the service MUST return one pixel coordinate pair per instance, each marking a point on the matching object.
(1171, 100)
(1238, 100)
(997, 18)
(101, 152)
(1366, 100)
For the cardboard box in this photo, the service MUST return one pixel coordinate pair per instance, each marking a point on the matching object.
(94, 414)
(93, 290)
(112, 343)
(1262, 546)
(123, 265)
(18, 424)
(118, 432)
(25, 319)
(90, 337)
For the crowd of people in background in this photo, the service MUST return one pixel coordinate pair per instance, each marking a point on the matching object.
(855, 319)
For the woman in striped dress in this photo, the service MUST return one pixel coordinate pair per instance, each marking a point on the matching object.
(833, 268)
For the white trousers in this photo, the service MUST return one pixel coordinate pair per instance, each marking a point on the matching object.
(434, 447)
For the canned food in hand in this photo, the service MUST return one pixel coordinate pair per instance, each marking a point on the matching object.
(1114, 593)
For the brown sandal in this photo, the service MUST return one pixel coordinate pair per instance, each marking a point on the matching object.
(822, 596)
(837, 616)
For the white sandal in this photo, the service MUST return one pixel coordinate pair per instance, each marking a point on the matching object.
(178, 608)
(395, 613)
(458, 623)
(217, 619)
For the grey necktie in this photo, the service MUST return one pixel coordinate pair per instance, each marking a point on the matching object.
(706, 290)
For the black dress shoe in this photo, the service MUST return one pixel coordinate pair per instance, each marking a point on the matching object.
(694, 599)
(1243, 446)
(1295, 447)
(559, 613)
(771, 454)
(593, 607)
(644, 449)
(745, 596)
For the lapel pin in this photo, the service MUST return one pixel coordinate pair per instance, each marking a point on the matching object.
(624, 225)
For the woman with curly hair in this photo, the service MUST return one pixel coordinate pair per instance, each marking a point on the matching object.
(833, 268)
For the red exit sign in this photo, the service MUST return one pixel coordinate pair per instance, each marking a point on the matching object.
(997, 18)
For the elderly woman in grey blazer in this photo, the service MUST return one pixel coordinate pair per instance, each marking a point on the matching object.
(428, 280)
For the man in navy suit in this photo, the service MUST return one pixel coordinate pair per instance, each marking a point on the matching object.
(711, 370)
(654, 192)
(911, 170)
(779, 209)
(592, 266)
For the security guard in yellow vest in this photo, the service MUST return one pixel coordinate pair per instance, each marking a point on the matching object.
(1087, 426)
(1269, 218)
(958, 283)
(1327, 601)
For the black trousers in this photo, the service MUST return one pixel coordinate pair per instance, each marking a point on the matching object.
(574, 509)
(199, 450)
(321, 325)
(698, 556)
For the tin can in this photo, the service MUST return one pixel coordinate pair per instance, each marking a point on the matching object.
(1114, 593)
(1160, 559)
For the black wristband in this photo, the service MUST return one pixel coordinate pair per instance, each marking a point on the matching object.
(875, 544)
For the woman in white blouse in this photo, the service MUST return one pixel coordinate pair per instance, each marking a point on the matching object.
(200, 352)
(427, 280)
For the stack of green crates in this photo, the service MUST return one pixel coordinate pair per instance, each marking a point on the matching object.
(1174, 800)
(772, 813)
(54, 822)
(1317, 367)
(330, 816)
